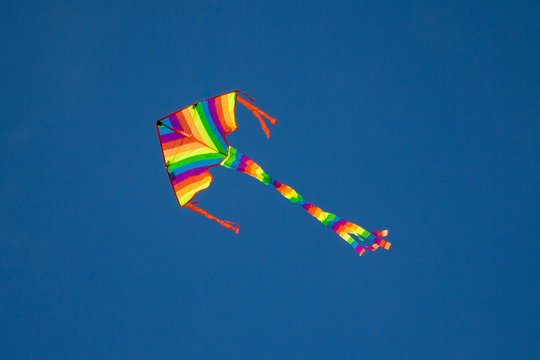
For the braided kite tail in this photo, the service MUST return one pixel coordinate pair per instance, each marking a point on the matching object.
(350, 232)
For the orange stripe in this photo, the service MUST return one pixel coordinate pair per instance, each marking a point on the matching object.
(315, 211)
(348, 227)
(186, 146)
(227, 112)
(385, 244)
(188, 192)
(171, 144)
(183, 122)
(224, 105)
(191, 124)
(190, 180)
(289, 190)
(221, 116)
(203, 183)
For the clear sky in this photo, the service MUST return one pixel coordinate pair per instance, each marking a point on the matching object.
(417, 116)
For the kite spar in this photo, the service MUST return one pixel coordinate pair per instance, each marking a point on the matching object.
(193, 140)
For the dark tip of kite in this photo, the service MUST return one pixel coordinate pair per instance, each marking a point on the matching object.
(159, 123)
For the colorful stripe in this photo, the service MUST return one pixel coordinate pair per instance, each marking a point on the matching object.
(371, 241)
(188, 158)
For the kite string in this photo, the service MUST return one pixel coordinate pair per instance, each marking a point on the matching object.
(243, 93)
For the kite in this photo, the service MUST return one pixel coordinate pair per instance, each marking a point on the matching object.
(193, 140)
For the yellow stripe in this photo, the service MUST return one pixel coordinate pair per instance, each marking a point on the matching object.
(231, 98)
(228, 109)
(200, 126)
(185, 194)
(202, 150)
(186, 146)
(192, 124)
(348, 238)
(225, 111)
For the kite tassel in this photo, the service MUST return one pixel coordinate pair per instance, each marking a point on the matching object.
(352, 233)
(257, 113)
(379, 241)
(228, 224)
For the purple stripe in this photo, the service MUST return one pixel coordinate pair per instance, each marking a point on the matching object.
(189, 173)
(215, 117)
(307, 206)
(170, 137)
(242, 165)
(338, 224)
(175, 123)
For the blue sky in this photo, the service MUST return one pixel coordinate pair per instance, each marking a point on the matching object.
(420, 117)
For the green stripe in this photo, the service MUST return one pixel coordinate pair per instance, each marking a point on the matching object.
(191, 159)
(266, 179)
(365, 234)
(227, 162)
(328, 218)
(210, 133)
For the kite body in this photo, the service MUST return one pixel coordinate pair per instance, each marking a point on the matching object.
(194, 139)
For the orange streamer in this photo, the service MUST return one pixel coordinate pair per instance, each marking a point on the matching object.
(228, 224)
(258, 112)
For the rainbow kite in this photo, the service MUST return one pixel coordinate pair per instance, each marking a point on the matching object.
(193, 140)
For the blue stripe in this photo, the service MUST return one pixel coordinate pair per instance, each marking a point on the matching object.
(193, 165)
(331, 223)
(164, 130)
(236, 163)
(210, 122)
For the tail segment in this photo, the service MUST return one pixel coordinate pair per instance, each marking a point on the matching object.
(349, 231)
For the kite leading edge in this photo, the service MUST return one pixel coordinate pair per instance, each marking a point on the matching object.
(193, 140)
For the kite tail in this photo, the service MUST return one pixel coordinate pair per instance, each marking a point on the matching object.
(228, 224)
(359, 238)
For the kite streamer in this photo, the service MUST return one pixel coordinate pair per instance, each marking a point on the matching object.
(193, 140)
